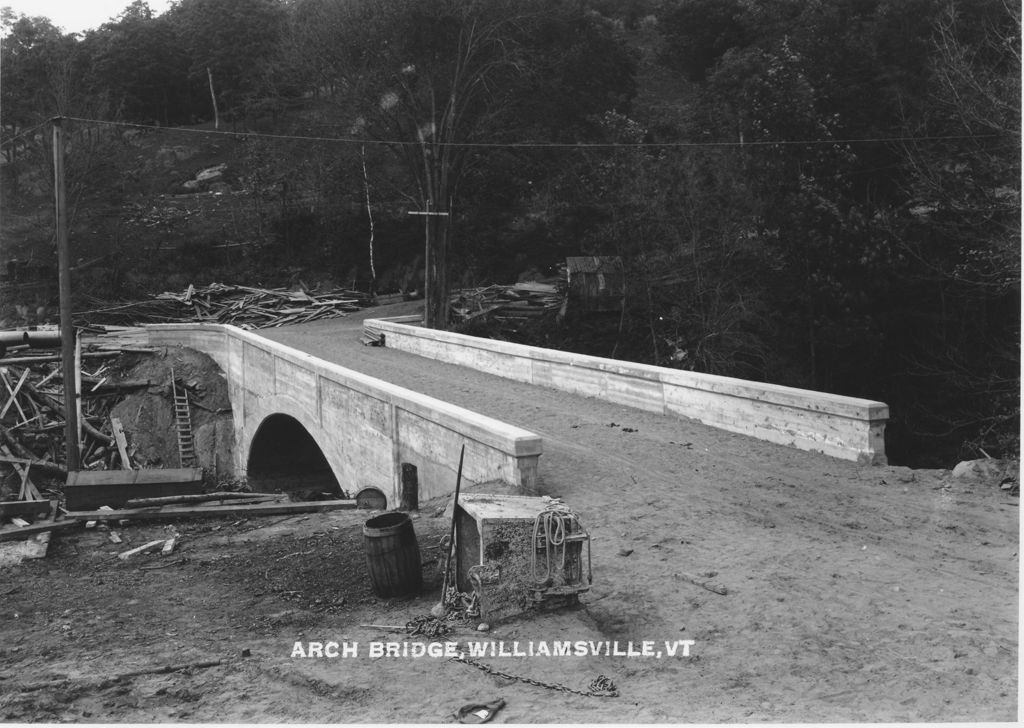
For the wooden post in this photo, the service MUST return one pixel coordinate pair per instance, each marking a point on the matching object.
(428, 315)
(67, 329)
(78, 388)
(410, 489)
(430, 275)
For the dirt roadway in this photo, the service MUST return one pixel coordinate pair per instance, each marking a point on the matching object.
(854, 593)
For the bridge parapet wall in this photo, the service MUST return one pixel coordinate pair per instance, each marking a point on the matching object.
(365, 427)
(843, 427)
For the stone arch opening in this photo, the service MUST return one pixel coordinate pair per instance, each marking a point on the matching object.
(284, 457)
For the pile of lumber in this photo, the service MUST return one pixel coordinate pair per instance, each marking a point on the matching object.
(243, 306)
(32, 414)
(506, 303)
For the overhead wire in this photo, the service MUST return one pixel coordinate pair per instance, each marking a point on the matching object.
(536, 145)
(25, 133)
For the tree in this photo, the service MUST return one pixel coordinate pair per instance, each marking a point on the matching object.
(140, 61)
(31, 48)
(232, 42)
(960, 234)
(434, 77)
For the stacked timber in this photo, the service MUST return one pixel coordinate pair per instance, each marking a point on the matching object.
(244, 306)
(499, 303)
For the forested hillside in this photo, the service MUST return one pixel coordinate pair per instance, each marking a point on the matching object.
(818, 194)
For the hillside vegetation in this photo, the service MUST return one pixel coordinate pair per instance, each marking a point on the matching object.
(823, 195)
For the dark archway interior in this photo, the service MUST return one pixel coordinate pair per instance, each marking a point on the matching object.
(285, 457)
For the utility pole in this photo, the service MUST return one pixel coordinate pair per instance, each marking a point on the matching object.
(67, 329)
(430, 316)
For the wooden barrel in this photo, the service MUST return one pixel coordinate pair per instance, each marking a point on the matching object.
(392, 555)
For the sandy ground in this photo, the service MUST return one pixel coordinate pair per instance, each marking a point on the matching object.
(853, 593)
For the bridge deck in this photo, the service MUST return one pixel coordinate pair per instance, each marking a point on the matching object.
(863, 592)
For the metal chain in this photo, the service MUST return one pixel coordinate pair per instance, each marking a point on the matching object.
(427, 626)
(459, 606)
(600, 687)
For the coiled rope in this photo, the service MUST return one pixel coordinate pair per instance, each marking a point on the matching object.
(555, 523)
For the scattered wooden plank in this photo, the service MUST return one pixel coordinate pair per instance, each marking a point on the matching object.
(19, 522)
(19, 453)
(258, 509)
(42, 382)
(14, 394)
(27, 491)
(122, 442)
(168, 546)
(13, 533)
(144, 548)
(702, 582)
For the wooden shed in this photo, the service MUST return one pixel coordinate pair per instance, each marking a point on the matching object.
(596, 282)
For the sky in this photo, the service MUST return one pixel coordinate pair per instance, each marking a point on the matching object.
(75, 16)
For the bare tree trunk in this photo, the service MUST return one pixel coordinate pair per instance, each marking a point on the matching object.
(369, 214)
(213, 97)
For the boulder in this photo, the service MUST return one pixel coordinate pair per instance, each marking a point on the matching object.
(985, 469)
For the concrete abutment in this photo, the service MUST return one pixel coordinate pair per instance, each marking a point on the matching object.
(295, 412)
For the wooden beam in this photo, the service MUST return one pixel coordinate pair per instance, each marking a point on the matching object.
(258, 509)
(19, 360)
(151, 546)
(91, 489)
(13, 534)
(122, 443)
(200, 498)
(78, 396)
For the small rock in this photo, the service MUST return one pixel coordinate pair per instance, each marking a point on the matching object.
(246, 652)
(483, 627)
(625, 552)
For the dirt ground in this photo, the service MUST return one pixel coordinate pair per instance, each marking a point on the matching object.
(854, 593)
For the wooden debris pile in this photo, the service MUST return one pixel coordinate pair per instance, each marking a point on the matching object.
(32, 417)
(527, 300)
(243, 306)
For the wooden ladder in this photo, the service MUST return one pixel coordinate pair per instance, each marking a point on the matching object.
(183, 424)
